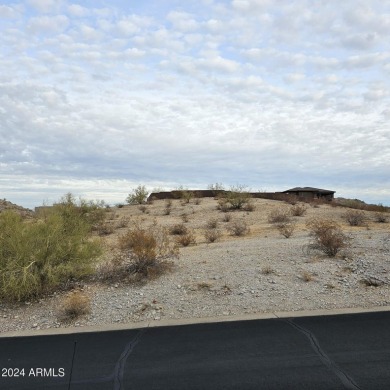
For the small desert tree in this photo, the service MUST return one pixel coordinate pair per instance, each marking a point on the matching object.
(42, 255)
(138, 195)
(237, 197)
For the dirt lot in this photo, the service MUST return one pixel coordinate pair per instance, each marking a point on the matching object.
(261, 271)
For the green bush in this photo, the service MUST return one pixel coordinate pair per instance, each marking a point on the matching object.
(39, 256)
(238, 197)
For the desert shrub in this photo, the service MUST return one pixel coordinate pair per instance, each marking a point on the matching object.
(216, 188)
(307, 276)
(249, 206)
(147, 250)
(186, 239)
(267, 270)
(105, 229)
(279, 215)
(212, 223)
(238, 227)
(237, 197)
(122, 222)
(212, 235)
(223, 205)
(354, 217)
(372, 282)
(227, 217)
(186, 196)
(298, 210)
(74, 305)
(288, 198)
(197, 200)
(138, 195)
(93, 213)
(381, 218)
(286, 229)
(178, 229)
(43, 255)
(111, 215)
(327, 236)
(168, 206)
(143, 208)
(119, 205)
(112, 269)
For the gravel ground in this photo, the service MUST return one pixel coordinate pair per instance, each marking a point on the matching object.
(263, 272)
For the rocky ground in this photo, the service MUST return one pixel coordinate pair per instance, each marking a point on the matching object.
(257, 273)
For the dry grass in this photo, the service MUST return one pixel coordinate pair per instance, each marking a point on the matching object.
(74, 305)
(267, 270)
(203, 286)
(307, 276)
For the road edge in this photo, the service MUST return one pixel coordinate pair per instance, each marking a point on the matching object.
(190, 321)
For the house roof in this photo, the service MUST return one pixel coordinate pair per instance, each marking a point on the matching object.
(309, 189)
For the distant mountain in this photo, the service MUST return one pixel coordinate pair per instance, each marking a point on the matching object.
(7, 205)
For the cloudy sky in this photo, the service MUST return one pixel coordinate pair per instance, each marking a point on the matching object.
(99, 96)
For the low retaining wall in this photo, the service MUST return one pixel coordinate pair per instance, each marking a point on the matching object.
(177, 194)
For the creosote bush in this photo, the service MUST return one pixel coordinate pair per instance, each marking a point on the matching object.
(354, 217)
(237, 198)
(186, 239)
(43, 255)
(212, 235)
(279, 215)
(327, 236)
(286, 229)
(212, 223)
(147, 249)
(238, 227)
(381, 218)
(298, 210)
(178, 229)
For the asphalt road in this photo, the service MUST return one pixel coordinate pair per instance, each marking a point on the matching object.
(327, 352)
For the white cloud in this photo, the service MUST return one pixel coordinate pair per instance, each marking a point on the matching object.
(48, 24)
(44, 5)
(78, 10)
(182, 21)
(188, 94)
